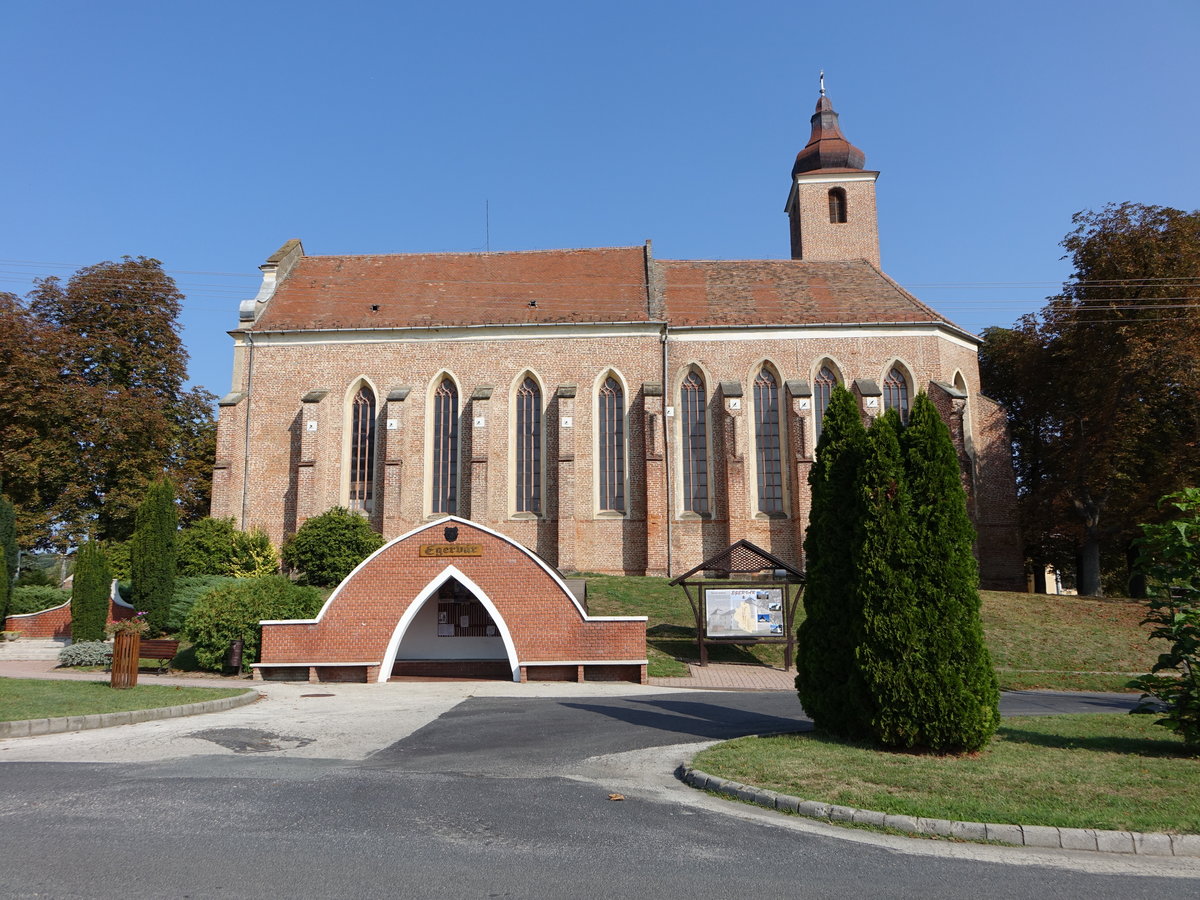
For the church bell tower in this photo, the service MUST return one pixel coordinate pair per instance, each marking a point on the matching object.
(831, 206)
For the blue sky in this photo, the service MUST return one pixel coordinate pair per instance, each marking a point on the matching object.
(207, 134)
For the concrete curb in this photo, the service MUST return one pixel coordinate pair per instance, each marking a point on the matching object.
(35, 727)
(1132, 842)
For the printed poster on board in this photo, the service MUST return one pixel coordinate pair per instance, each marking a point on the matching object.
(744, 612)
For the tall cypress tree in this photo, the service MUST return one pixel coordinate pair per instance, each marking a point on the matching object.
(955, 693)
(8, 554)
(89, 593)
(152, 554)
(892, 646)
(828, 678)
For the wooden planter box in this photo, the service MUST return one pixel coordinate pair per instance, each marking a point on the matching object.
(126, 648)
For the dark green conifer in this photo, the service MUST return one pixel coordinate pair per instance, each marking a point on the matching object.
(890, 653)
(828, 678)
(955, 696)
(152, 554)
(90, 586)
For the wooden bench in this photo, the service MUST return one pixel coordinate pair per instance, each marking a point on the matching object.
(159, 649)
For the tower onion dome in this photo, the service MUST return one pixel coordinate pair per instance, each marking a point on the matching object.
(827, 147)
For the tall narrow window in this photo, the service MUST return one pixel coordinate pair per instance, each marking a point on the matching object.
(822, 391)
(693, 424)
(445, 448)
(612, 446)
(766, 443)
(529, 447)
(837, 206)
(895, 393)
(362, 450)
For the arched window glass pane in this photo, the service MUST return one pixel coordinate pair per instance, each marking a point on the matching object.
(362, 450)
(767, 444)
(822, 391)
(529, 447)
(612, 446)
(837, 206)
(895, 393)
(693, 424)
(445, 448)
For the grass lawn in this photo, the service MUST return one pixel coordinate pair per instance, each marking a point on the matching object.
(33, 698)
(1111, 771)
(1036, 640)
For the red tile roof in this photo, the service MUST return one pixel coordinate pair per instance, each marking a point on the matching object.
(453, 289)
(580, 286)
(784, 292)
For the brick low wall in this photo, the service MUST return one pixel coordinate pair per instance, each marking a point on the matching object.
(56, 621)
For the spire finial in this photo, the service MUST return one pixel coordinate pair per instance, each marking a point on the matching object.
(822, 82)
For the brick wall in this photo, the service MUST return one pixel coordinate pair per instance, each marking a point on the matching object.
(545, 624)
(298, 449)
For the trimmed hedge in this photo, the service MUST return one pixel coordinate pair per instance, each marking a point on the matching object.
(35, 598)
(233, 612)
(328, 547)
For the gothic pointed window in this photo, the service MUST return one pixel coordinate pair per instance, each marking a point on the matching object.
(693, 424)
(362, 450)
(445, 447)
(611, 434)
(768, 452)
(895, 393)
(822, 391)
(837, 205)
(529, 447)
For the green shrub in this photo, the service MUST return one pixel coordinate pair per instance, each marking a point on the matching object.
(89, 593)
(35, 598)
(329, 546)
(216, 547)
(152, 554)
(233, 612)
(36, 576)
(187, 591)
(1169, 557)
(86, 653)
(118, 560)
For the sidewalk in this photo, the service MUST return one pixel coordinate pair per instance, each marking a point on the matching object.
(726, 677)
(47, 668)
(713, 677)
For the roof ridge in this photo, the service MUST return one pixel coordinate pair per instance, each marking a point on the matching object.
(636, 247)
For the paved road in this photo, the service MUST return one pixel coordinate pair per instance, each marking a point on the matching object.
(473, 791)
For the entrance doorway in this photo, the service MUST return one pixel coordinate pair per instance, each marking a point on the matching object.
(452, 635)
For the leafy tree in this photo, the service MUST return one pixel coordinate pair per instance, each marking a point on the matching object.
(8, 554)
(954, 690)
(327, 547)
(92, 403)
(89, 593)
(828, 678)
(152, 555)
(233, 613)
(1169, 556)
(1102, 388)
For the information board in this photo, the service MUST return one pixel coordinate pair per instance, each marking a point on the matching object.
(743, 612)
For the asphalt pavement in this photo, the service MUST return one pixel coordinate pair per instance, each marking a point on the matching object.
(476, 790)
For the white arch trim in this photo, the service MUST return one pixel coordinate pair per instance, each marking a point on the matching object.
(438, 524)
(451, 571)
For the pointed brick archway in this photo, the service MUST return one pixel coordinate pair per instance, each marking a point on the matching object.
(453, 597)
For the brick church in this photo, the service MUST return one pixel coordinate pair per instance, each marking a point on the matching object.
(608, 410)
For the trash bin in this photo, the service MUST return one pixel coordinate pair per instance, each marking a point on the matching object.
(233, 659)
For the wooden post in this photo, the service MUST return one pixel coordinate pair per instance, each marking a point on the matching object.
(126, 647)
